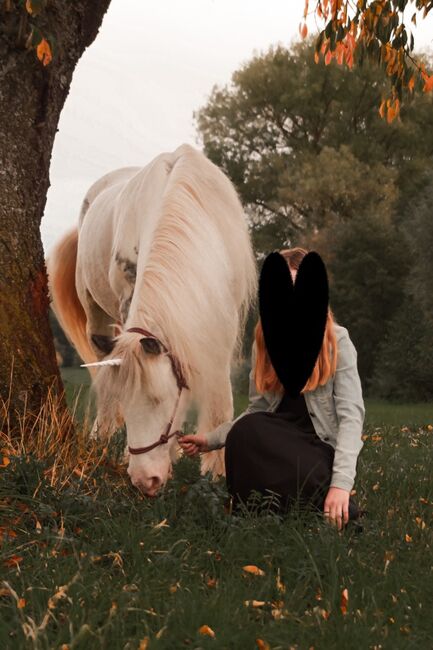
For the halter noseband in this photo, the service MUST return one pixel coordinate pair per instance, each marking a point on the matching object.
(181, 383)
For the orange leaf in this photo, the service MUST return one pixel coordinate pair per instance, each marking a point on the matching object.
(390, 117)
(5, 462)
(279, 583)
(254, 570)
(304, 30)
(344, 601)
(254, 603)
(428, 85)
(13, 561)
(21, 603)
(43, 52)
(408, 538)
(411, 84)
(211, 583)
(205, 630)
(328, 57)
(262, 645)
(144, 643)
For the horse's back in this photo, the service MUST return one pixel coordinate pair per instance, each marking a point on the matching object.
(117, 177)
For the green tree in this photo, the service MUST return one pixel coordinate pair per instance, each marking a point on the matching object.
(404, 368)
(315, 165)
(40, 44)
(368, 265)
(305, 145)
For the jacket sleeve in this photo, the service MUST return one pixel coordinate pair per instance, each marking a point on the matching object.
(350, 410)
(257, 402)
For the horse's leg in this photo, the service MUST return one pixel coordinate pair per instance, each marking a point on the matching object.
(216, 409)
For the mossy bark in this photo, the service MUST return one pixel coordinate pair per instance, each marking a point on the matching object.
(31, 99)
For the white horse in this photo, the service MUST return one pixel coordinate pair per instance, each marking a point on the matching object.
(156, 283)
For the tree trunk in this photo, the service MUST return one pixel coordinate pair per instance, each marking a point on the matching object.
(31, 99)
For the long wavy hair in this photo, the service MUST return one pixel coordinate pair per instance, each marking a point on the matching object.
(265, 376)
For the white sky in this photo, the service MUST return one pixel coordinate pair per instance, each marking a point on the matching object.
(135, 89)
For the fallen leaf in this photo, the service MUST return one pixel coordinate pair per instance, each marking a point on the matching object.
(162, 524)
(321, 612)
(254, 603)
(280, 585)
(21, 603)
(408, 538)
(262, 645)
(254, 570)
(5, 461)
(15, 560)
(205, 630)
(4, 591)
(344, 601)
(144, 643)
(389, 556)
(211, 583)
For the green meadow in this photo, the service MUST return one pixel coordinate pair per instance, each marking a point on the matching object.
(88, 562)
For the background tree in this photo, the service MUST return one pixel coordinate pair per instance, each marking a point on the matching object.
(315, 165)
(40, 44)
(405, 357)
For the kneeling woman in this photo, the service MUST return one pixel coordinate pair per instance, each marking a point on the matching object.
(304, 448)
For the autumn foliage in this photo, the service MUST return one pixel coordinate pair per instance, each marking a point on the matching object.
(373, 30)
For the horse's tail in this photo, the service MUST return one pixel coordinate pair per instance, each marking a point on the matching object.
(65, 302)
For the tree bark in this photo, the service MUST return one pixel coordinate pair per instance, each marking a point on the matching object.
(31, 99)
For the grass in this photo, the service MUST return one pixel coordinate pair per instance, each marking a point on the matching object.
(87, 562)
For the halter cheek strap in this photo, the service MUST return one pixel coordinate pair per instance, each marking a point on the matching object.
(181, 384)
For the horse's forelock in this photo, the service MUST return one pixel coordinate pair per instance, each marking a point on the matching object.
(118, 386)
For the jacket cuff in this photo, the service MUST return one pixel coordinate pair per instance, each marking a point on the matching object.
(217, 438)
(341, 481)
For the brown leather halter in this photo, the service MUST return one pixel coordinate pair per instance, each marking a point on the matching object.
(181, 383)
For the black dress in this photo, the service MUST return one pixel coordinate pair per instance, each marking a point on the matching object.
(279, 452)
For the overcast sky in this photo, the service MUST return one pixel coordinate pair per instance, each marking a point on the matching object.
(135, 89)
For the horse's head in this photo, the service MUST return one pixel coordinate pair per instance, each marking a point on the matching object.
(138, 380)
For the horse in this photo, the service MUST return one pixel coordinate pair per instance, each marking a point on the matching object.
(153, 289)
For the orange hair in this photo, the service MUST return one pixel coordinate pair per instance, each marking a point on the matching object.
(265, 376)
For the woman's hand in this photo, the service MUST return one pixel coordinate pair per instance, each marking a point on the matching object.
(193, 445)
(336, 506)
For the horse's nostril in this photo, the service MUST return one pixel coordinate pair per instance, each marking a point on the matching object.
(154, 483)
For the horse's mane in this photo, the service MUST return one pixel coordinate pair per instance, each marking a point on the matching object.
(199, 278)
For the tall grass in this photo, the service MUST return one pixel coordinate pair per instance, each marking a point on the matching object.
(88, 562)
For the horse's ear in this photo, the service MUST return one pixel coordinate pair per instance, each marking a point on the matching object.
(151, 346)
(103, 343)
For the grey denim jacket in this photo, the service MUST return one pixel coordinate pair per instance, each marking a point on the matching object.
(336, 409)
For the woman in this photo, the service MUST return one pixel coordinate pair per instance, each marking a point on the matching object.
(304, 448)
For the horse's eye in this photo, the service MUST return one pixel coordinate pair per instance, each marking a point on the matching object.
(151, 346)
